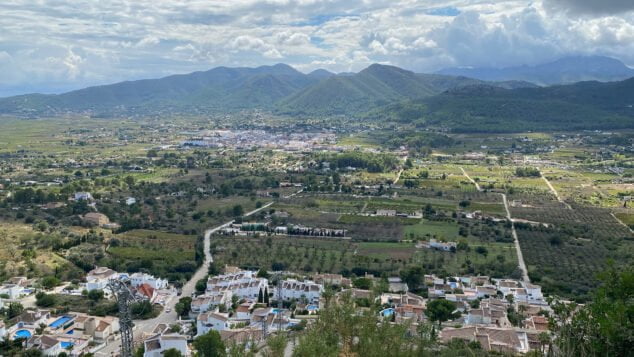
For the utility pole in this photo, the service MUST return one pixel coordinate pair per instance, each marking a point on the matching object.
(124, 298)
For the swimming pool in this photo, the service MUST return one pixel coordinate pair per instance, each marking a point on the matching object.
(66, 345)
(70, 332)
(60, 322)
(387, 312)
(22, 334)
(312, 307)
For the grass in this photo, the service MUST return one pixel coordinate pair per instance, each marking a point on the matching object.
(448, 230)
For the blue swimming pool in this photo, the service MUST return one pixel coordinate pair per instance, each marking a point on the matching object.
(387, 312)
(65, 344)
(22, 334)
(312, 307)
(276, 311)
(70, 332)
(60, 322)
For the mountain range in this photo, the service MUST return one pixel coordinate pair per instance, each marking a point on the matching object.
(456, 102)
(562, 71)
(279, 87)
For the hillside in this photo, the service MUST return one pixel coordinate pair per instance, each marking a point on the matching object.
(220, 89)
(375, 86)
(483, 108)
(223, 89)
(563, 71)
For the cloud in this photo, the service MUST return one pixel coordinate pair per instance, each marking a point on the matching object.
(54, 45)
(594, 7)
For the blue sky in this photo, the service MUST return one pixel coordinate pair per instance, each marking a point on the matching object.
(57, 45)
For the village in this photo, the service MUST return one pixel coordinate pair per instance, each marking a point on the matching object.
(503, 315)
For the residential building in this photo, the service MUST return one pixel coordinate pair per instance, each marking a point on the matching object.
(98, 278)
(332, 279)
(138, 279)
(242, 283)
(83, 196)
(396, 285)
(13, 291)
(292, 289)
(503, 340)
(156, 345)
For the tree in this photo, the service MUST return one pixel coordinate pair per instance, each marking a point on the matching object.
(172, 352)
(238, 210)
(276, 345)
(95, 295)
(210, 345)
(441, 310)
(201, 285)
(605, 326)
(183, 306)
(44, 300)
(49, 282)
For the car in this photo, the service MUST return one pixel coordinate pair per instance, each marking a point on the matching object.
(168, 309)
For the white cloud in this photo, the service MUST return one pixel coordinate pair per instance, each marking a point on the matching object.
(59, 44)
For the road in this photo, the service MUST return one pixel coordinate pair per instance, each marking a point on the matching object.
(400, 172)
(518, 249)
(477, 185)
(146, 326)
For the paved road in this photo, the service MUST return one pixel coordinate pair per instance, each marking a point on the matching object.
(518, 249)
(147, 326)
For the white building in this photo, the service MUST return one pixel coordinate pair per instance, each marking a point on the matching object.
(130, 201)
(156, 345)
(216, 321)
(98, 278)
(299, 290)
(211, 301)
(83, 196)
(13, 291)
(243, 283)
(138, 279)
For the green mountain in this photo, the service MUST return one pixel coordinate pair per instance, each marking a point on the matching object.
(375, 86)
(280, 88)
(219, 89)
(484, 108)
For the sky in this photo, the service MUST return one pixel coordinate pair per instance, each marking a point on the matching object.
(51, 46)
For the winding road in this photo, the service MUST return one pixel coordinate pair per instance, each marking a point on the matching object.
(146, 326)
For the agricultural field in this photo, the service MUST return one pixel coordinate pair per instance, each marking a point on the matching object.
(163, 254)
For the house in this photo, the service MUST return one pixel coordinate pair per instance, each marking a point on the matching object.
(395, 285)
(22, 281)
(98, 219)
(539, 323)
(241, 283)
(83, 196)
(48, 345)
(211, 301)
(138, 279)
(13, 291)
(332, 279)
(503, 340)
(386, 212)
(444, 246)
(156, 345)
(101, 329)
(216, 321)
(145, 291)
(130, 201)
(98, 278)
(298, 290)
(31, 318)
(241, 335)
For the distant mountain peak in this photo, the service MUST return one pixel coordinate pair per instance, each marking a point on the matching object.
(565, 70)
